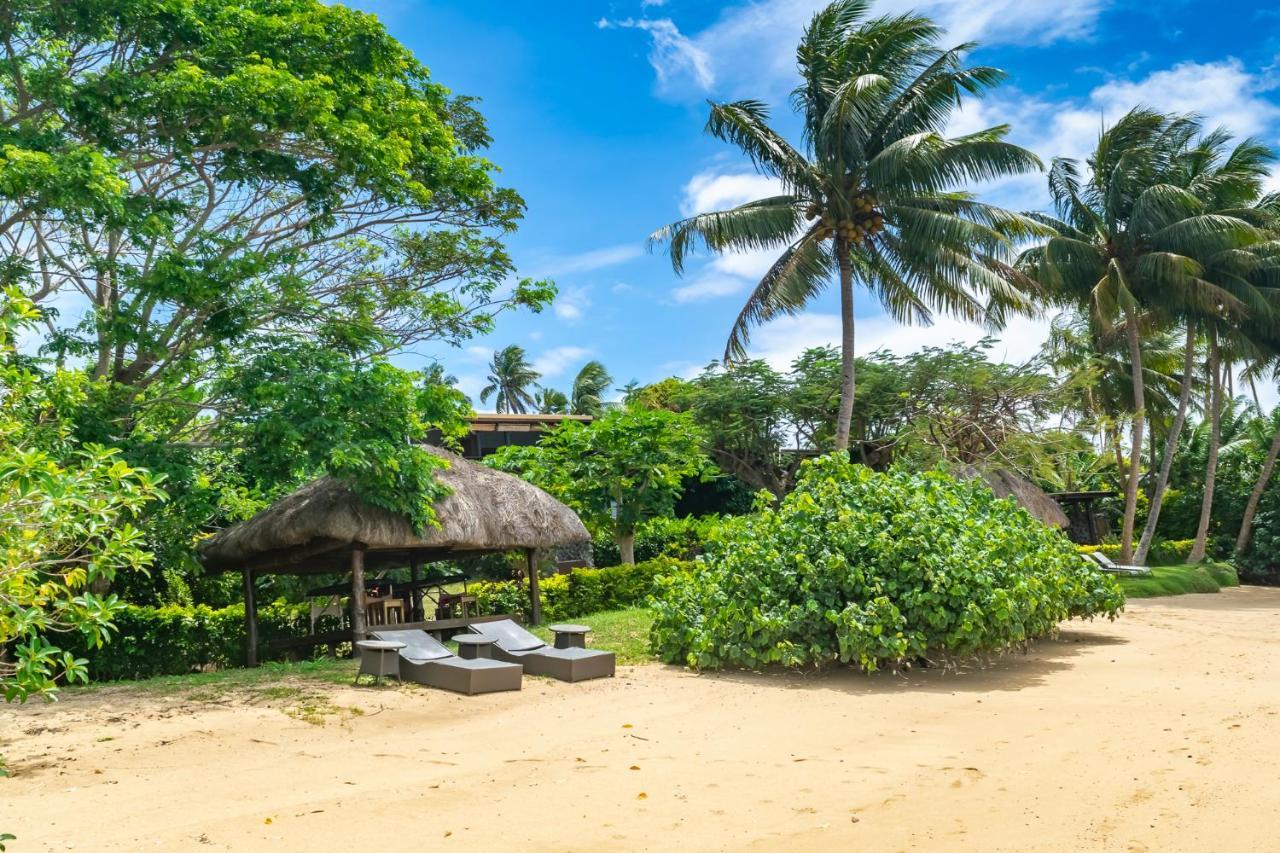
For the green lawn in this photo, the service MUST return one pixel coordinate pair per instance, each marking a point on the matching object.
(1179, 580)
(624, 632)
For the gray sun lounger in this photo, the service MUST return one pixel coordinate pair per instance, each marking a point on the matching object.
(425, 661)
(516, 645)
(1105, 563)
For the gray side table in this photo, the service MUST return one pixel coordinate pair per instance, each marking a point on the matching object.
(474, 646)
(570, 636)
(379, 658)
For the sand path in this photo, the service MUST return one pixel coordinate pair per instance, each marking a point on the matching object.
(1160, 731)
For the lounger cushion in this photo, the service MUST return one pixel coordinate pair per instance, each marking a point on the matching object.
(508, 635)
(419, 646)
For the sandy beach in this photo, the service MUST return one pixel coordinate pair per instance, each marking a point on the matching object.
(1160, 731)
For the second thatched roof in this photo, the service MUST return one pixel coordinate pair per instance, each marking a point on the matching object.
(1029, 496)
(486, 511)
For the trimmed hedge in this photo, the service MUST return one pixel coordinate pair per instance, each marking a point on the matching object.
(1169, 552)
(578, 592)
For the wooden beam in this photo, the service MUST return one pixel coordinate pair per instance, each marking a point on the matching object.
(357, 596)
(415, 575)
(535, 597)
(250, 621)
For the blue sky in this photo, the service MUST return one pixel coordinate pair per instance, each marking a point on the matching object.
(597, 111)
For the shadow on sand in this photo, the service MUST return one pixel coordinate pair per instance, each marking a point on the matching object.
(1011, 671)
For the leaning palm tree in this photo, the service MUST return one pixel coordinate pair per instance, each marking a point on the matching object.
(510, 377)
(1130, 242)
(589, 388)
(873, 196)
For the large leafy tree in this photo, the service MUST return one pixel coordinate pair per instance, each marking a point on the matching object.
(510, 379)
(874, 196)
(1131, 240)
(589, 388)
(626, 466)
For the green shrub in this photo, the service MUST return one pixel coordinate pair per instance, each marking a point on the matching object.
(172, 640)
(1166, 552)
(664, 536)
(874, 569)
(575, 593)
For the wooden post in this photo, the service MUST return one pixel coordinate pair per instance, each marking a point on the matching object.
(357, 597)
(415, 575)
(535, 598)
(250, 621)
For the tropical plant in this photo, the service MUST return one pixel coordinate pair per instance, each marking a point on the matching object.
(1130, 241)
(874, 569)
(510, 377)
(623, 468)
(589, 387)
(874, 196)
(551, 402)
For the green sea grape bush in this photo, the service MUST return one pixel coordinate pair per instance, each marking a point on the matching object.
(873, 569)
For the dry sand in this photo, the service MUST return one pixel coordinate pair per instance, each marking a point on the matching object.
(1160, 731)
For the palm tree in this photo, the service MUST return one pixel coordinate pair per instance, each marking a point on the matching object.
(510, 377)
(588, 389)
(1130, 242)
(873, 196)
(552, 402)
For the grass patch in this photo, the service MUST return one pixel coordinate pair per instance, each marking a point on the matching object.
(623, 632)
(1180, 580)
(211, 685)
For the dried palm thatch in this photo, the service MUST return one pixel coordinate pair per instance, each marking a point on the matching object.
(486, 511)
(1029, 496)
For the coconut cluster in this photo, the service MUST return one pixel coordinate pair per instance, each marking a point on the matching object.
(865, 222)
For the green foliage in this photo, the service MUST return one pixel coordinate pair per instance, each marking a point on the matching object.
(510, 379)
(174, 640)
(577, 592)
(874, 569)
(680, 538)
(589, 388)
(66, 530)
(1163, 553)
(306, 409)
(617, 471)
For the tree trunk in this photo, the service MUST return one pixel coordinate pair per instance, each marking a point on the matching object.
(844, 418)
(627, 546)
(1251, 508)
(1170, 448)
(1215, 436)
(1135, 450)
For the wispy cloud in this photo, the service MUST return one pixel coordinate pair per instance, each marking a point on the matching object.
(595, 259)
(673, 57)
(572, 303)
(555, 361)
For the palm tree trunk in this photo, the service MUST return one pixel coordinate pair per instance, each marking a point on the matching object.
(1170, 448)
(1251, 508)
(1135, 450)
(1215, 436)
(844, 417)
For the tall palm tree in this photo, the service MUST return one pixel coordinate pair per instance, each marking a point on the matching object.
(873, 194)
(552, 402)
(589, 387)
(510, 377)
(1130, 241)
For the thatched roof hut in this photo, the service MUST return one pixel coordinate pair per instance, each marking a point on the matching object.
(324, 527)
(486, 511)
(1032, 498)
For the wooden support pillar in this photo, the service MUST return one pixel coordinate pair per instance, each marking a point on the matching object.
(250, 621)
(535, 598)
(357, 597)
(415, 575)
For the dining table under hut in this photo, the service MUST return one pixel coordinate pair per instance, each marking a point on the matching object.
(324, 528)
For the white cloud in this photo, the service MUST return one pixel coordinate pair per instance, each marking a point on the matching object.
(556, 360)
(572, 303)
(711, 190)
(671, 54)
(708, 286)
(594, 259)
(750, 48)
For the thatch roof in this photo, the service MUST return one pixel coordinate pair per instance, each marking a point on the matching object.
(486, 511)
(1029, 496)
